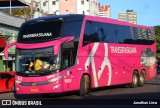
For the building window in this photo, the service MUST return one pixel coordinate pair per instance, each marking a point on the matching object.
(83, 12)
(82, 2)
(44, 3)
(53, 2)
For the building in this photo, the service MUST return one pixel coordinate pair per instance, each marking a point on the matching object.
(57, 7)
(68, 6)
(9, 27)
(87, 7)
(104, 11)
(129, 16)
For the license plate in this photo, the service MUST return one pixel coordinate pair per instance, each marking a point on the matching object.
(34, 90)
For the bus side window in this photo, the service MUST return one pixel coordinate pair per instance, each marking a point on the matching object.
(91, 33)
(66, 61)
(86, 40)
(69, 52)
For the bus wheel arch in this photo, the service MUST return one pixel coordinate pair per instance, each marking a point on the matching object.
(134, 82)
(141, 78)
(85, 85)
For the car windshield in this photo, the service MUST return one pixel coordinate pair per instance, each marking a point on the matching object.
(37, 61)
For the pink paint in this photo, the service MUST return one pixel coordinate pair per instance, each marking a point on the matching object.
(6, 49)
(55, 43)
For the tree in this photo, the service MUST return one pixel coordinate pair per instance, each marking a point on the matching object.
(157, 34)
(22, 12)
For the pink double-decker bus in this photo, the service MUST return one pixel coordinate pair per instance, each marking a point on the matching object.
(79, 53)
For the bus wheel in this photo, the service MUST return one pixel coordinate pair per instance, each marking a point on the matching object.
(141, 79)
(84, 85)
(134, 80)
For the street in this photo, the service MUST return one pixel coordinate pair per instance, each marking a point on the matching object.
(151, 90)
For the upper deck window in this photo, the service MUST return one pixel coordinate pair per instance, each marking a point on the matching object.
(40, 31)
(114, 33)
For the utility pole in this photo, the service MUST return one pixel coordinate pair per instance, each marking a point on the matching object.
(31, 9)
(10, 6)
(48, 7)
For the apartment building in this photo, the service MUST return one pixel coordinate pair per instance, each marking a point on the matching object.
(129, 16)
(56, 7)
(104, 11)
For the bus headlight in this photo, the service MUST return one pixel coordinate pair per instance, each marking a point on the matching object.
(17, 81)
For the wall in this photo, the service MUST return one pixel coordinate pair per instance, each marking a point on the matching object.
(68, 7)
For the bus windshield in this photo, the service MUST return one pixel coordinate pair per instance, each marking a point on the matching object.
(37, 61)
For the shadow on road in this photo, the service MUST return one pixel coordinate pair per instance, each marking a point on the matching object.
(120, 99)
(6, 92)
(108, 90)
(40, 96)
(155, 95)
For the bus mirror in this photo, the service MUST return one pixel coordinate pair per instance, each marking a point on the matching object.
(6, 49)
(61, 41)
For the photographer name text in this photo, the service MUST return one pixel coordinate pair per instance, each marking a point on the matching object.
(145, 102)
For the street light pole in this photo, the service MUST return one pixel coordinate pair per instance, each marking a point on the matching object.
(10, 6)
(48, 7)
(31, 9)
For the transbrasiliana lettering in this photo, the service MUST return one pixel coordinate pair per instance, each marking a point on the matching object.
(130, 50)
(37, 35)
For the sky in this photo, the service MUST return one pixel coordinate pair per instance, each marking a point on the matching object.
(148, 11)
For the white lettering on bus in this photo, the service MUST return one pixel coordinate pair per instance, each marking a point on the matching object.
(37, 35)
(129, 50)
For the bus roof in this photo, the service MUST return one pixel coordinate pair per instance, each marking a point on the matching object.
(64, 16)
(93, 18)
(115, 21)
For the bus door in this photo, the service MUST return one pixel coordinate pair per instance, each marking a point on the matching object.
(68, 60)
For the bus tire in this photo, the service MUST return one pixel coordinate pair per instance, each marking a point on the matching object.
(141, 79)
(134, 83)
(84, 85)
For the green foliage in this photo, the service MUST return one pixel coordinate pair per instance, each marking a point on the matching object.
(22, 12)
(157, 34)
